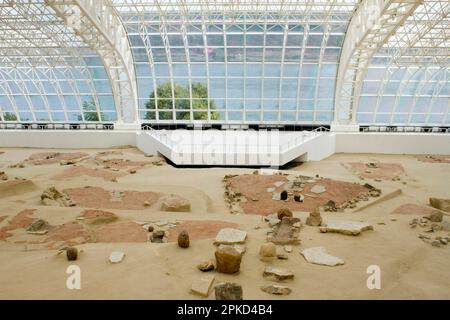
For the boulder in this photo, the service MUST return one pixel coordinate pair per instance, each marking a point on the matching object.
(72, 254)
(175, 203)
(228, 260)
(277, 290)
(238, 247)
(314, 219)
(441, 204)
(228, 291)
(230, 236)
(351, 228)
(183, 239)
(285, 212)
(320, 256)
(277, 274)
(203, 286)
(268, 250)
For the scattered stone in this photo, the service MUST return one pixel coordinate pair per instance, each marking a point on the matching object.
(436, 243)
(203, 286)
(271, 190)
(288, 249)
(39, 225)
(183, 239)
(277, 274)
(151, 229)
(299, 198)
(274, 222)
(444, 241)
(175, 203)
(285, 212)
(230, 236)
(285, 233)
(277, 290)
(268, 250)
(282, 256)
(72, 254)
(133, 171)
(116, 257)
(331, 206)
(279, 184)
(228, 291)
(95, 217)
(3, 176)
(207, 266)
(147, 204)
(314, 219)
(351, 228)
(158, 236)
(318, 189)
(436, 216)
(319, 255)
(228, 260)
(441, 204)
(53, 197)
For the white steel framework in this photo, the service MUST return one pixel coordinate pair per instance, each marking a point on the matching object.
(98, 24)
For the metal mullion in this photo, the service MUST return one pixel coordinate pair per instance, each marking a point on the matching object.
(9, 94)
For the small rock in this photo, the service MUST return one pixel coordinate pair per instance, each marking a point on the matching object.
(288, 249)
(277, 274)
(151, 229)
(268, 250)
(116, 257)
(230, 236)
(444, 241)
(436, 243)
(228, 291)
(299, 198)
(72, 254)
(282, 256)
(175, 203)
(277, 290)
(351, 228)
(203, 286)
(318, 189)
(183, 239)
(207, 266)
(320, 256)
(274, 222)
(436, 216)
(285, 212)
(228, 260)
(39, 225)
(147, 204)
(314, 219)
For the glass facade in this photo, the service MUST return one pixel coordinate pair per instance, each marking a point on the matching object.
(47, 73)
(250, 67)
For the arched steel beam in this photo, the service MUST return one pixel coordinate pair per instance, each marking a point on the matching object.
(373, 23)
(98, 24)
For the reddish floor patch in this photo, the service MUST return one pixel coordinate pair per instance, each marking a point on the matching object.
(199, 230)
(254, 187)
(413, 209)
(95, 197)
(74, 172)
(384, 171)
(124, 232)
(69, 234)
(22, 220)
(54, 157)
(433, 158)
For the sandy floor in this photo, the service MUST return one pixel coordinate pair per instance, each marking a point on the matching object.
(411, 268)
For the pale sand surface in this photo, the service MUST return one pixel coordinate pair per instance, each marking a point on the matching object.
(411, 268)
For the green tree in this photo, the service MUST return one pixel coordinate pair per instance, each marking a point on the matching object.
(8, 116)
(182, 102)
(90, 112)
